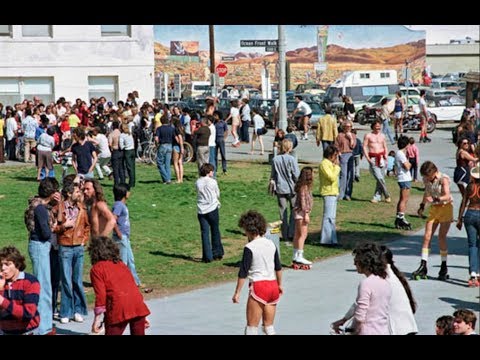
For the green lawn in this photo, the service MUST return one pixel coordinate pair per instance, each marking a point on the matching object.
(166, 234)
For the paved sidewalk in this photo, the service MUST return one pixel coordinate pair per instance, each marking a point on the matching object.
(313, 299)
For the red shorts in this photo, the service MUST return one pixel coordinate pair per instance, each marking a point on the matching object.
(265, 291)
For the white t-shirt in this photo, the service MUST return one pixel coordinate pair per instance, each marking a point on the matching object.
(258, 122)
(304, 108)
(213, 134)
(103, 149)
(403, 174)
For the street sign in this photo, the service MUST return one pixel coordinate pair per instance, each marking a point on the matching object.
(271, 48)
(258, 43)
(228, 58)
(221, 70)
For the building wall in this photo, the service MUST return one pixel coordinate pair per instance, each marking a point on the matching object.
(75, 52)
(447, 58)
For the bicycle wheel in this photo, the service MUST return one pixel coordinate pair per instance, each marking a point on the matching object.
(152, 154)
(187, 152)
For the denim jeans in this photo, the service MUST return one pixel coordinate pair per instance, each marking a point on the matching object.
(117, 165)
(472, 225)
(346, 175)
(73, 296)
(288, 223)
(56, 273)
(212, 159)
(126, 254)
(221, 146)
(329, 232)
(210, 223)
(39, 252)
(326, 143)
(388, 131)
(164, 158)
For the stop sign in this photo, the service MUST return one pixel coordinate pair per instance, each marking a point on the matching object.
(221, 70)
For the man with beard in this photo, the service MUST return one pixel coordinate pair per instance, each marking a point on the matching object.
(73, 232)
(102, 220)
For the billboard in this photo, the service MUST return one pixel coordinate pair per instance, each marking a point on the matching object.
(184, 48)
(315, 53)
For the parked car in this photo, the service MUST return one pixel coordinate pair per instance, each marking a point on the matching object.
(310, 88)
(450, 108)
(447, 84)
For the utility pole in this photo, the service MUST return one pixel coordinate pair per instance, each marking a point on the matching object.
(211, 38)
(282, 96)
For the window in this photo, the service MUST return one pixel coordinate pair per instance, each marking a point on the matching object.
(116, 30)
(384, 75)
(6, 30)
(103, 86)
(37, 30)
(15, 90)
(374, 90)
(364, 75)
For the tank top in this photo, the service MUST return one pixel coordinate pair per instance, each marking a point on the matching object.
(435, 189)
(398, 105)
(473, 193)
(461, 162)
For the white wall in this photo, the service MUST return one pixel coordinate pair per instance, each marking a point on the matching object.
(447, 58)
(78, 51)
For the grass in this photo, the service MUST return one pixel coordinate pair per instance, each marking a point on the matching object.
(166, 233)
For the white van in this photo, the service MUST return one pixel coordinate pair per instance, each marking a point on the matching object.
(196, 88)
(360, 85)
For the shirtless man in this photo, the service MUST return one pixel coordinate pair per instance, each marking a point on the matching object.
(375, 151)
(102, 220)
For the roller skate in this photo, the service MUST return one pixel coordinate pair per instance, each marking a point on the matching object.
(402, 223)
(421, 272)
(473, 282)
(443, 273)
(300, 263)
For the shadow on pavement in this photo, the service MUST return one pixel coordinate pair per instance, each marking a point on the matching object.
(460, 304)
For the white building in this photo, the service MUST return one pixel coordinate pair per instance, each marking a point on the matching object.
(75, 61)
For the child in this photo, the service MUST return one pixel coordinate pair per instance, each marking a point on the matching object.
(413, 155)
(391, 171)
(293, 138)
(302, 209)
(261, 264)
(404, 179)
(437, 192)
(121, 234)
(208, 195)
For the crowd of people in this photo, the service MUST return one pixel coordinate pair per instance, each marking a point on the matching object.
(63, 222)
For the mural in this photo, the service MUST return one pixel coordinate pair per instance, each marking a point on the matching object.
(248, 49)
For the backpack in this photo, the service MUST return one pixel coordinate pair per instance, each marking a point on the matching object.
(29, 216)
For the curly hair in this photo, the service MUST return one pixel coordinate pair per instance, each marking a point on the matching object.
(11, 253)
(253, 222)
(368, 256)
(103, 248)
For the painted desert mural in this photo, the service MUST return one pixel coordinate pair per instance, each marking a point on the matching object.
(243, 50)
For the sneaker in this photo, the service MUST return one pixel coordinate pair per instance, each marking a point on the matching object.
(78, 318)
(374, 201)
(64, 320)
(388, 200)
(357, 178)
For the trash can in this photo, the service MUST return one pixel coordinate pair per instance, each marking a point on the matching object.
(273, 233)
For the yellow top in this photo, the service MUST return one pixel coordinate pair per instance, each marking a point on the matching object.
(328, 172)
(2, 124)
(327, 129)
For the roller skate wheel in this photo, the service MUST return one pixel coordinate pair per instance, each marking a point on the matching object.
(295, 266)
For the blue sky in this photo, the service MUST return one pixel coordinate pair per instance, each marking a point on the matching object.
(227, 37)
